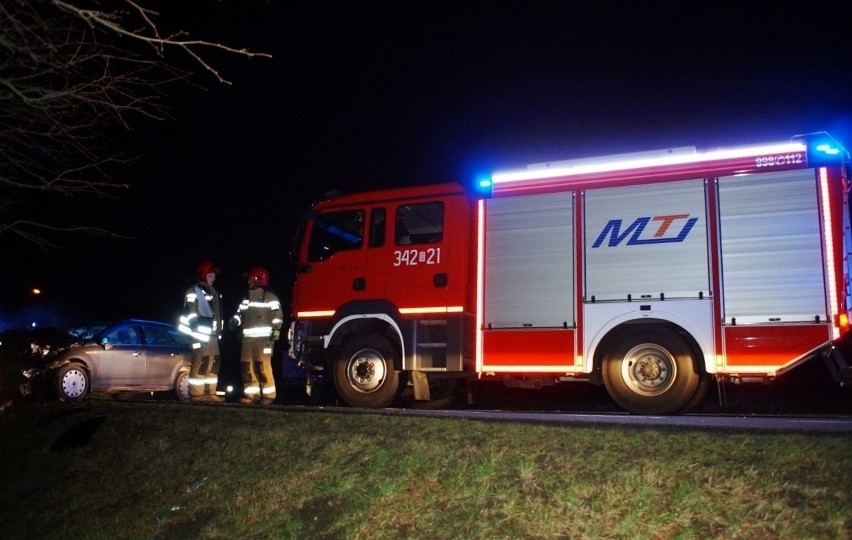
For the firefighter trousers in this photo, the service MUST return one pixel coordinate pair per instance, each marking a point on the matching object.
(204, 371)
(256, 369)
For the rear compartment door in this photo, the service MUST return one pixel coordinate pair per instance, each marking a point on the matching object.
(771, 248)
(646, 242)
(529, 261)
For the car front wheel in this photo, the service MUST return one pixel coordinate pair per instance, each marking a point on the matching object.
(182, 386)
(72, 382)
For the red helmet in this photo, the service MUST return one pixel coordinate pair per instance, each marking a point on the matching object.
(258, 276)
(204, 268)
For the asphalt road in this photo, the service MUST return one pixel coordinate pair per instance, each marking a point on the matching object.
(753, 423)
(806, 399)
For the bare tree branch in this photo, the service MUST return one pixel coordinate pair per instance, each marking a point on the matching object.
(69, 75)
(25, 228)
(150, 34)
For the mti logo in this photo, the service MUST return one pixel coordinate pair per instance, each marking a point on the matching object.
(637, 228)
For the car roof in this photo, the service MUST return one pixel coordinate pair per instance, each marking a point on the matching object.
(143, 321)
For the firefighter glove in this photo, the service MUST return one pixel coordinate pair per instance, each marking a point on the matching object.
(233, 324)
(276, 334)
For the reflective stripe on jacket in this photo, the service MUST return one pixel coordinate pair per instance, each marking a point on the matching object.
(202, 312)
(259, 314)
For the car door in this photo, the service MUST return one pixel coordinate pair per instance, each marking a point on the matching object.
(121, 363)
(163, 357)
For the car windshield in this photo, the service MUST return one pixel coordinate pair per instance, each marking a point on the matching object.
(87, 332)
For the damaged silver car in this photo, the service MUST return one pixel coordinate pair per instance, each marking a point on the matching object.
(129, 356)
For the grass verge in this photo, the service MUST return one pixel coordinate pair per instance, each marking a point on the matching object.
(110, 469)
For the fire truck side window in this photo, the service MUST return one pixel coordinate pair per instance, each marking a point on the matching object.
(335, 231)
(377, 227)
(419, 223)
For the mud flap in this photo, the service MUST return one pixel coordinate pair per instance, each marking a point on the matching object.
(421, 386)
(838, 366)
(309, 385)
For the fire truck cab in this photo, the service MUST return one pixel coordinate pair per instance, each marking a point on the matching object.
(652, 273)
(383, 292)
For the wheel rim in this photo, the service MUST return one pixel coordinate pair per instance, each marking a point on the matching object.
(74, 383)
(366, 370)
(183, 387)
(648, 369)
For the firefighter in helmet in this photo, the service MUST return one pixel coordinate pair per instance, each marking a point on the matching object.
(260, 317)
(202, 319)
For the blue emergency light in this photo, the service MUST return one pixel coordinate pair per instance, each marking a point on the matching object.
(483, 187)
(827, 149)
(823, 149)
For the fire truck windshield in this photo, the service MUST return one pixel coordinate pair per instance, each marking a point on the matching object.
(335, 231)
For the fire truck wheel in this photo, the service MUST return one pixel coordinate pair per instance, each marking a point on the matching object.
(72, 382)
(700, 393)
(443, 392)
(649, 370)
(364, 374)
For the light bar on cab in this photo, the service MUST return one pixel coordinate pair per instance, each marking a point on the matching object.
(431, 309)
(312, 314)
(617, 163)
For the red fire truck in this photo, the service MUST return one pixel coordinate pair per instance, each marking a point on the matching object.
(652, 273)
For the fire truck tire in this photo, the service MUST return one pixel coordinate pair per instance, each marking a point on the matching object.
(700, 393)
(364, 374)
(443, 392)
(72, 382)
(649, 370)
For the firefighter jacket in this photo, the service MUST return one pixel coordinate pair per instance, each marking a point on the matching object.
(202, 312)
(259, 314)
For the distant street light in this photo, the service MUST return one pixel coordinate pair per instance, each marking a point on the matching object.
(40, 313)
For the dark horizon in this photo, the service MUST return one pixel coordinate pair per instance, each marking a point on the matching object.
(360, 97)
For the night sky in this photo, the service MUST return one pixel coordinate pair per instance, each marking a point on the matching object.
(366, 95)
